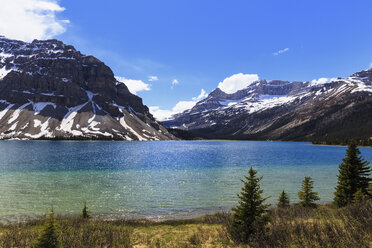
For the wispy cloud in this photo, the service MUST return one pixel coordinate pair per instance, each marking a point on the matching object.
(370, 65)
(134, 86)
(31, 19)
(166, 114)
(175, 82)
(281, 51)
(152, 78)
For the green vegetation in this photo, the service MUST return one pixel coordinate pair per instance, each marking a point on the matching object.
(306, 195)
(251, 223)
(353, 178)
(295, 226)
(250, 216)
(186, 134)
(359, 196)
(283, 200)
(343, 142)
(85, 213)
(49, 235)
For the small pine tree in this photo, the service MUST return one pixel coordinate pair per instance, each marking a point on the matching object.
(49, 236)
(354, 175)
(85, 213)
(250, 216)
(283, 201)
(306, 195)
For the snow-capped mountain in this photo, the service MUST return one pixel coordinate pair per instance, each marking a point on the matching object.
(50, 90)
(282, 110)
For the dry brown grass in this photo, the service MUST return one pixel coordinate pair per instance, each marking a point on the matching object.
(292, 227)
(322, 227)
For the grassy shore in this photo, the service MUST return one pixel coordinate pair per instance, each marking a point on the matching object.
(291, 227)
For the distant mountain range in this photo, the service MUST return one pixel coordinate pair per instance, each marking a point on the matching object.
(340, 108)
(48, 90)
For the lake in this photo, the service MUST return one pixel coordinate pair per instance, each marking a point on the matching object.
(156, 180)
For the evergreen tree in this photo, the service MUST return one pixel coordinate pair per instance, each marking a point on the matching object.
(354, 175)
(85, 213)
(359, 196)
(283, 201)
(250, 216)
(49, 237)
(306, 195)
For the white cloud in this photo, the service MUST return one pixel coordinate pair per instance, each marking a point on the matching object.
(152, 78)
(163, 114)
(30, 19)
(160, 114)
(237, 82)
(370, 65)
(175, 82)
(183, 105)
(203, 94)
(320, 81)
(134, 86)
(281, 51)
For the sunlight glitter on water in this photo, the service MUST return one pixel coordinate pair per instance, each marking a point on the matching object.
(157, 180)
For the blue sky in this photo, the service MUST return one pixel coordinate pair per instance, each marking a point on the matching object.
(201, 42)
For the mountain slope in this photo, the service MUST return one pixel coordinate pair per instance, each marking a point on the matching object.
(50, 90)
(281, 110)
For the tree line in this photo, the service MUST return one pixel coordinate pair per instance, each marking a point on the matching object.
(342, 141)
(250, 216)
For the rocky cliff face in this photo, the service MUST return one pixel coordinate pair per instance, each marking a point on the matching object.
(281, 110)
(50, 90)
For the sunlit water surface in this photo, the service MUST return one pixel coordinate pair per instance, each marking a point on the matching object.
(166, 179)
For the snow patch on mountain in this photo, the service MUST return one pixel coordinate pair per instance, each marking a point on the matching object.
(39, 106)
(274, 108)
(4, 72)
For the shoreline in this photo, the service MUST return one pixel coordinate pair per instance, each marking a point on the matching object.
(175, 140)
(186, 215)
(294, 226)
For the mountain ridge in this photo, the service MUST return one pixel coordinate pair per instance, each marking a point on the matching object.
(283, 110)
(50, 90)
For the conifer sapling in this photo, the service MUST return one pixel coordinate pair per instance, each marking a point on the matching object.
(306, 195)
(49, 236)
(250, 216)
(85, 213)
(283, 201)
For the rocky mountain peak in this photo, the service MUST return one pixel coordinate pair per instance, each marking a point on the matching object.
(71, 87)
(365, 75)
(217, 92)
(283, 110)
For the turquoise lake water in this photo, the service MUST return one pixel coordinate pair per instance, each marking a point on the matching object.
(160, 179)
